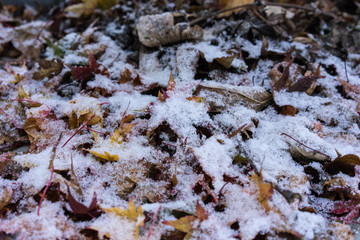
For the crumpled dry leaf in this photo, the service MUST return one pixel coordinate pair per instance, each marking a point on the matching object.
(48, 68)
(159, 29)
(256, 98)
(132, 214)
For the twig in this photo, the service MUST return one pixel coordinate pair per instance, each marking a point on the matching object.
(51, 163)
(153, 223)
(79, 130)
(305, 145)
(47, 186)
(96, 131)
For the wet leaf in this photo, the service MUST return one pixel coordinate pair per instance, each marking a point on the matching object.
(48, 68)
(280, 84)
(351, 90)
(345, 164)
(5, 198)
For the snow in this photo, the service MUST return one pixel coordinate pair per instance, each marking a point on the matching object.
(129, 177)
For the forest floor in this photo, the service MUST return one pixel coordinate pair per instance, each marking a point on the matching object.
(180, 120)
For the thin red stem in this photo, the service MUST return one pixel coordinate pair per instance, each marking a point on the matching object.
(96, 131)
(305, 145)
(26, 100)
(153, 223)
(11, 120)
(47, 186)
(84, 125)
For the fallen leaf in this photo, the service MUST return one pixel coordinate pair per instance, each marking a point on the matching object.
(265, 190)
(185, 224)
(105, 156)
(351, 90)
(288, 110)
(80, 210)
(48, 68)
(227, 4)
(130, 76)
(345, 164)
(254, 97)
(132, 214)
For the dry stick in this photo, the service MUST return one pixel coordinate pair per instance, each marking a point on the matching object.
(79, 130)
(11, 120)
(305, 145)
(47, 186)
(284, 5)
(153, 223)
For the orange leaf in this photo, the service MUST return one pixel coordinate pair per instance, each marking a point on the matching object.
(171, 83)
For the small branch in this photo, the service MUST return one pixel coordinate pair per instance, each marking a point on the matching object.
(47, 186)
(84, 125)
(306, 146)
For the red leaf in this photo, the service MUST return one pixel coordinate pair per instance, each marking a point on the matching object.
(79, 209)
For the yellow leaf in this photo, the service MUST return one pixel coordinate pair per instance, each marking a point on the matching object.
(105, 156)
(183, 224)
(265, 191)
(226, 4)
(161, 97)
(131, 214)
(85, 8)
(106, 4)
(171, 83)
(196, 99)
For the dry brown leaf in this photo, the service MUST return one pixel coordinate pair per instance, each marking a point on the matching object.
(345, 164)
(130, 76)
(253, 97)
(288, 110)
(225, 4)
(48, 68)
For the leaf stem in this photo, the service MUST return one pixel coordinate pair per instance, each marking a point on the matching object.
(46, 188)
(305, 145)
(84, 125)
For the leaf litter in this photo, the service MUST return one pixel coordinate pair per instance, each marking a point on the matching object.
(217, 119)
